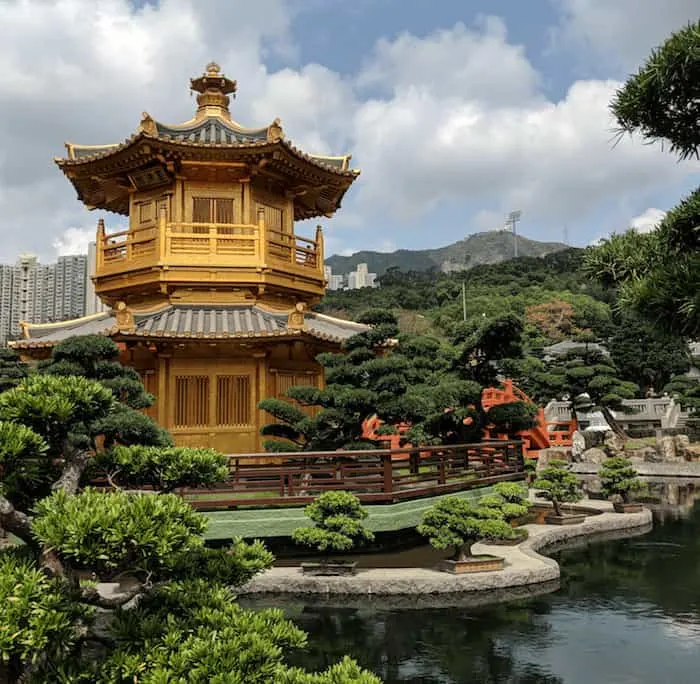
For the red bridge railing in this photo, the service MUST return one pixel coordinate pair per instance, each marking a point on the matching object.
(376, 476)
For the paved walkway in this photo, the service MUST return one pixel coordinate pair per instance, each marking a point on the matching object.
(680, 469)
(524, 565)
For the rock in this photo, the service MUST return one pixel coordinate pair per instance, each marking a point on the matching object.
(593, 437)
(692, 452)
(578, 445)
(594, 455)
(548, 455)
(613, 444)
(682, 443)
(649, 454)
(667, 447)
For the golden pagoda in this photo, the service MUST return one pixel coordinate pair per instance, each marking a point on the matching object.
(210, 288)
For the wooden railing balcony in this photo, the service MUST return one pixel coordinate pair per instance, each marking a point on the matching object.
(221, 245)
(375, 476)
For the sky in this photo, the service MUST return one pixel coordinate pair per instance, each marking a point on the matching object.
(456, 111)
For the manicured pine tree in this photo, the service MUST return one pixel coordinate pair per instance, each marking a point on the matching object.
(12, 370)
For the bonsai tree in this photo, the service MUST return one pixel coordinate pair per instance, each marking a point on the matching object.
(337, 518)
(97, 358)
(558, 484)
(619, 479)
(454, 522)
(512, 418)
(510, 498)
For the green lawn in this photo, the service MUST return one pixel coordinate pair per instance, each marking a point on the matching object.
(281, 522)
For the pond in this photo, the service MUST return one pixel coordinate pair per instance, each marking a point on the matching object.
(627, 612)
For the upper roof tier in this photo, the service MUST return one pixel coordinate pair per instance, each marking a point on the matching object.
(103, 175)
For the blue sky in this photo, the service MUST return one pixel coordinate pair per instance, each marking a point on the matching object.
(456, 112)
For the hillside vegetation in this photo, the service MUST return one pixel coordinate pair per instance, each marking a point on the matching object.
(552, 297)
(477, 249)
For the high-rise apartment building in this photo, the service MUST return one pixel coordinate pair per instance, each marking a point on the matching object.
(5, 301)
(334, 282)
(41, 293)
(93, 304)
(29, 282)
(361, 277)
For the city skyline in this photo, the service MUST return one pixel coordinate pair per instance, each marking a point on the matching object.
(35, 292)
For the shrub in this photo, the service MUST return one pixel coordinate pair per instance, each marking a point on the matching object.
(558, 485)
(337, 518)
(162, 468)
(509, 498)
(619, 478)
(36, 617)
(458, 523)
(118, 531)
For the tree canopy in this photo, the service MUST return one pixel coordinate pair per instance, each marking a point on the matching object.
(658, 274)
(414, 380)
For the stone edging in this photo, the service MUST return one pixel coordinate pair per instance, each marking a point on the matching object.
(524, 565)
(686, 469)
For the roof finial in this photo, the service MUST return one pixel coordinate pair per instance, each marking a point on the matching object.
(213, 88)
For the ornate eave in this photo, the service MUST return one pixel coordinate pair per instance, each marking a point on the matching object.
(100, 174)
(103, 174)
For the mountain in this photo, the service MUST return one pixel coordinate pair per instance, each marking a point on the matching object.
(480, 248)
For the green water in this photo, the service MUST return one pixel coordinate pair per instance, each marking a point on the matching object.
(627, 612)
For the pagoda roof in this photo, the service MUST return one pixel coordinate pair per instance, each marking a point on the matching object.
(191, 323)
(101, 173)
(212, 132)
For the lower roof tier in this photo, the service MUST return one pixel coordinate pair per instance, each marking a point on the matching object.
(182, 323)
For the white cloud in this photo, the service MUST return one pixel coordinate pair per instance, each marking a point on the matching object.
(648, 220)
(644, 223)
(455, 119)
(553, 160)
(73, 241)
(454, 63)
(621, 31)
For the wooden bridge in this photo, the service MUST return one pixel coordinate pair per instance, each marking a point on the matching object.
(376, 476)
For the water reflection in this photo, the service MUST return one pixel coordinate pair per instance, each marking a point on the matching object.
(627, 612)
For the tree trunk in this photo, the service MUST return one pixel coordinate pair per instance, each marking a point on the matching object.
(72, 472)
(557, 509)
(614, 424)
(14, 521)
(463, 552)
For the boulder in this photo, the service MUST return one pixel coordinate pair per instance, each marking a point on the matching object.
(546, 456)
(595, 437)
(649, 454)
(594, 455)
(667, 447)
(578, 446)
(613, 444)
(692, 452)
(682, 443)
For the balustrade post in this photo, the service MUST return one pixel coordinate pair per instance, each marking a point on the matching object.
(520, 458)
(101, 242)
(163, 237)
(212, 239)
(262, 238)
(388, 487)
(319, 249)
